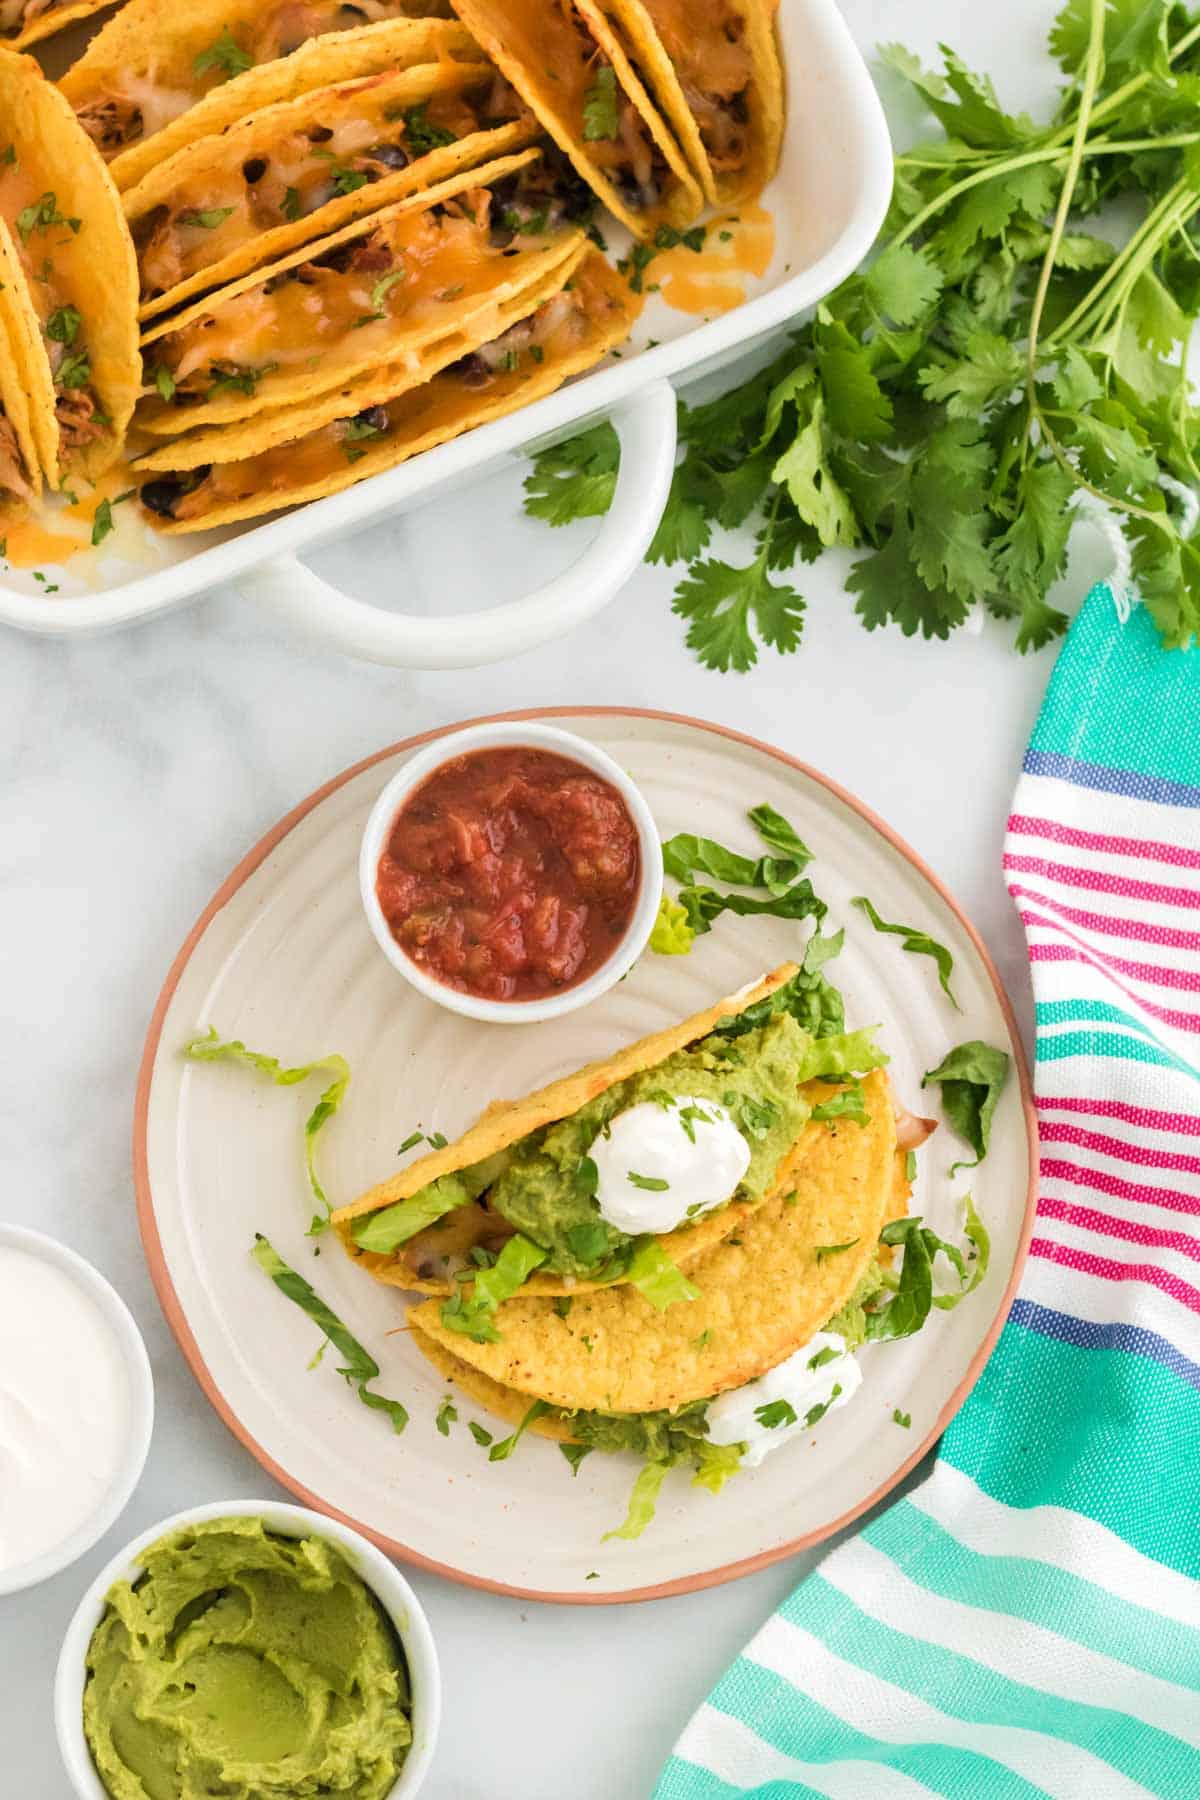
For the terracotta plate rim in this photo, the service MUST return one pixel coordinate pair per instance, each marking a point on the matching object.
(177, 1320)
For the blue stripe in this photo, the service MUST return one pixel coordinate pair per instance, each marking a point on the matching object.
(1090, 1335)
(1057, 1046)
(1111, 781)
(799, 1726)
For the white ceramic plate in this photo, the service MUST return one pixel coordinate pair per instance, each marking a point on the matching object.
(283, 958)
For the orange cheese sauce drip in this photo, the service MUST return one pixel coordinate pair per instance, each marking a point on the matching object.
(52, 534)
(29, 545)
(713, 280)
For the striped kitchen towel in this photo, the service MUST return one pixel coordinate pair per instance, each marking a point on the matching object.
(1027, 1621)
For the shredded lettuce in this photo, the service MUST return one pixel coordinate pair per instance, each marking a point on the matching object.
(847, 1103)
(899, 1312)
(917, 943)
(360, 1367)
(643, 1501)
(672, 935)
(511, 1270)
(657, 1278)
(212, 1048)
(503, 1450)
(972, 1078)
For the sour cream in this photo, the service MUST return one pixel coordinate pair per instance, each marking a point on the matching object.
(661, 1165)
(66, 1410)
(733, 1417)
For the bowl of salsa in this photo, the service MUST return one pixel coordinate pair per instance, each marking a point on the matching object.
(511, 872)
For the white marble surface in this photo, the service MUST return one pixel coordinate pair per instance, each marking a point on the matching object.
(138, 768)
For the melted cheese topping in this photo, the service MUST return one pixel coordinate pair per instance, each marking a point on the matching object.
(563, 326)
(705, 40)
(218, 208)
(410, 270)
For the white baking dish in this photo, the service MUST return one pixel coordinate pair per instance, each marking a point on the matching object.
(827, 201)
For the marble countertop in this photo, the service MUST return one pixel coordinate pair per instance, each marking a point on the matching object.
(139, 767)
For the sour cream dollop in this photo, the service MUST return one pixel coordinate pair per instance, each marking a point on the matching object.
(64, 1406)
(733, 1418)
(689, 1151)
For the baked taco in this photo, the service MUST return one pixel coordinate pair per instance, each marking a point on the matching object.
(284, 176)
(26, 22)
(20, 467)
(554, 329)
(380, 290)
(73, 303)
(762, 1352)
(626, 1172)
(712, 67)
(156, 59)
(564, 60)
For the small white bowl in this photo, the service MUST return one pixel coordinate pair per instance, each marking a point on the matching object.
(381, 1576)
(139, 1424)
(495, 735)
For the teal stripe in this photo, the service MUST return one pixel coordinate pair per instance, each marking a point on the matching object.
(1053, 1048)
(1040, 1593)
(1087, 712)
(1113, 1436)
(799, 1726)
(977, 1695)
(682, 1780)
(1069, 1012)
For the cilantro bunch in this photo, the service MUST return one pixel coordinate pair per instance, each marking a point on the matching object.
(1001, 361)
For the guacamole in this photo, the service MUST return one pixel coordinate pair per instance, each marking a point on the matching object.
(245, 1664)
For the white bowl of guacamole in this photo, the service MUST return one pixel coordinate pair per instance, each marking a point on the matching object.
(253, 1649)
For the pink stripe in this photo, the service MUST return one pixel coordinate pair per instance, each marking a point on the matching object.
(1053, 1131)
(1097, 881)
(1108, 1270)
(1165, 935)
(1026, 825)
(1169, 1015)
(1052, 1169)
(1186, 979)
(1151, 1118)
(1088, 1219)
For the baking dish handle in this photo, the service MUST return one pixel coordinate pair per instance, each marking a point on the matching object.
(645, 425)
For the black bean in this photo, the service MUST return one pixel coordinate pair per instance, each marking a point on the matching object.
(392, 156)
(162, 495)
(375, 416)
(254, 168)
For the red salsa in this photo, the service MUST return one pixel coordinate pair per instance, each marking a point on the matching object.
(510, 873)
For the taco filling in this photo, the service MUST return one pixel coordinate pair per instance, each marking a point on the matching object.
(391, 284)
(560, 329)
(353, 141)
(591, 1194)
(47, 243)
(707, 47)
(124, 105)
(15, 483)
(16, 16)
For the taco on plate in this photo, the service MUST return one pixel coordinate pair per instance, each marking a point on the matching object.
(70, 279)
(243, 197)
(375, 292)
(571, 70)
(761, 1353)
(625, 1173)
(510, 356)
(155, 60)
(713, 69)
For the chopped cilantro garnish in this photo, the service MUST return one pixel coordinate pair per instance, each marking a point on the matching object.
(600, 118)
(62, 327)
(901, 1418)
(775, 1413)
(826, 1354)
(562, 1305)
(208, 219)
(74, 371)
(347, 181)
(818, 1412)
(653, 1184)
(164, 381)
(40, 215)
(237, 380)
(910, 1165)
(575, 1454)
(381, 289)
(503, 1450)
(411, 1141)
(482, 1437)
(420, 135)
(668, 238)
(224, 54)
(289, 206)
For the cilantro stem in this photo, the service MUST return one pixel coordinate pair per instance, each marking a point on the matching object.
(1116, 270)
(1117, 99)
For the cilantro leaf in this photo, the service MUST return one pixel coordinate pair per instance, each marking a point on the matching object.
(225, 55)
(575, 479)
(775, 1413)
(600, 106)
(723, 604)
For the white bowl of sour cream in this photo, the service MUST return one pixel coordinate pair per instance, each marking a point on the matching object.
(76, 1407)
